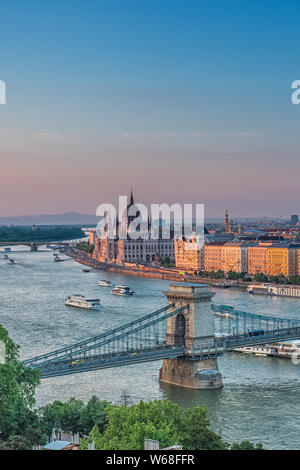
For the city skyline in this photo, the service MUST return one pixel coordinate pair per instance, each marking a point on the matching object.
(186, 102)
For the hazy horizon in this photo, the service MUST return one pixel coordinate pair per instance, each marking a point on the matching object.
(60, 214)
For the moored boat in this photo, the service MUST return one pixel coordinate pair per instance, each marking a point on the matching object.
(283, 290)
(223, 285)
(283, 349)
(263, 288)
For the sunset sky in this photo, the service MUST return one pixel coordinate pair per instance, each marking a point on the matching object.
(185, 101)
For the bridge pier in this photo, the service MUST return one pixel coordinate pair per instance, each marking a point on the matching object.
(192, 328)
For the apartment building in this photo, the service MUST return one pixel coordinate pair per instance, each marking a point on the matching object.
(188, 255)
(213, 256)
(294, 260)
(234, 257)
(257, 258)
(278, 260)
(92, 237)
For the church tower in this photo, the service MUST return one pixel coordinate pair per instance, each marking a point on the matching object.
(131, 198)
(226, 222)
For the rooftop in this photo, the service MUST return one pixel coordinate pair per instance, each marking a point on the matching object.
(57, 445)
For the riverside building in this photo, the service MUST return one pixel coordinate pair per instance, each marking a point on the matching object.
(188, 254)
(213, 256)
(126, 250)
(234, 257)
(257, 258)
(278, 260)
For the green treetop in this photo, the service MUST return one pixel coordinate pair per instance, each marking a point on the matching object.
(17, 389)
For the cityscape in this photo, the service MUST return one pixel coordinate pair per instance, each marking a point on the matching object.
(261, 250)
(149, 230)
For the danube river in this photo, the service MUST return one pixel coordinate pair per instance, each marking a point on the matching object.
(260, 400)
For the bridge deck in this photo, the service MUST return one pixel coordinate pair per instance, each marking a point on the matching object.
(110, 360)
(79, 364)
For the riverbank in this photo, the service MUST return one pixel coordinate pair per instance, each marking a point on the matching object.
(150, 271)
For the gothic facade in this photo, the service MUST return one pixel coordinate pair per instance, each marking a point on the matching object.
(141, 250)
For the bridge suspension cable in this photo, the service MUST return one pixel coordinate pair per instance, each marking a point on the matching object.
(229, 321)
(117, 347)
(105, 338)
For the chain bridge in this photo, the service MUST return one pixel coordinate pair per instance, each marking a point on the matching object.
(188, 334)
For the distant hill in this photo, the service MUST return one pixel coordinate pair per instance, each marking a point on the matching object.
(68, 218)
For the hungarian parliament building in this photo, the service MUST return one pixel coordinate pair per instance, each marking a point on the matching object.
(141, 250)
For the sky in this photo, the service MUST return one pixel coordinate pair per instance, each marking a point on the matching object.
(185, 101)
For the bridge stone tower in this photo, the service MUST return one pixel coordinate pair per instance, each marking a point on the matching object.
(192, 328)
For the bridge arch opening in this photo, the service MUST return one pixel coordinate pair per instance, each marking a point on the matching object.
(179, 336)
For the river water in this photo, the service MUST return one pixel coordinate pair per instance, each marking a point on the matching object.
(260, 400)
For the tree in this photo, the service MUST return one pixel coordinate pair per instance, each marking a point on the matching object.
(15, 443)
(195, 433)
(65, 416)
(294, 279)
(166, 261)
(70, 417)
(280, 279)
(51, 416)
(86, 247)
(17, 389)
(260, 277)
(39, 233)
(94, 414)
(73, 416)
(219, 274)
(129, 426)
(94, 437)
(162, 420)
(245, 445)
(232, 275)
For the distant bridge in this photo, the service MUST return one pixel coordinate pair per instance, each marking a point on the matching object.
(172, 334)
(35, 244)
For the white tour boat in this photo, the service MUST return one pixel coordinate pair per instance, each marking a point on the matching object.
(104, 283)
(223, 315)
(224, 311)
(283, 290)
(82, 302)
(122, 290)
(282, 349)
